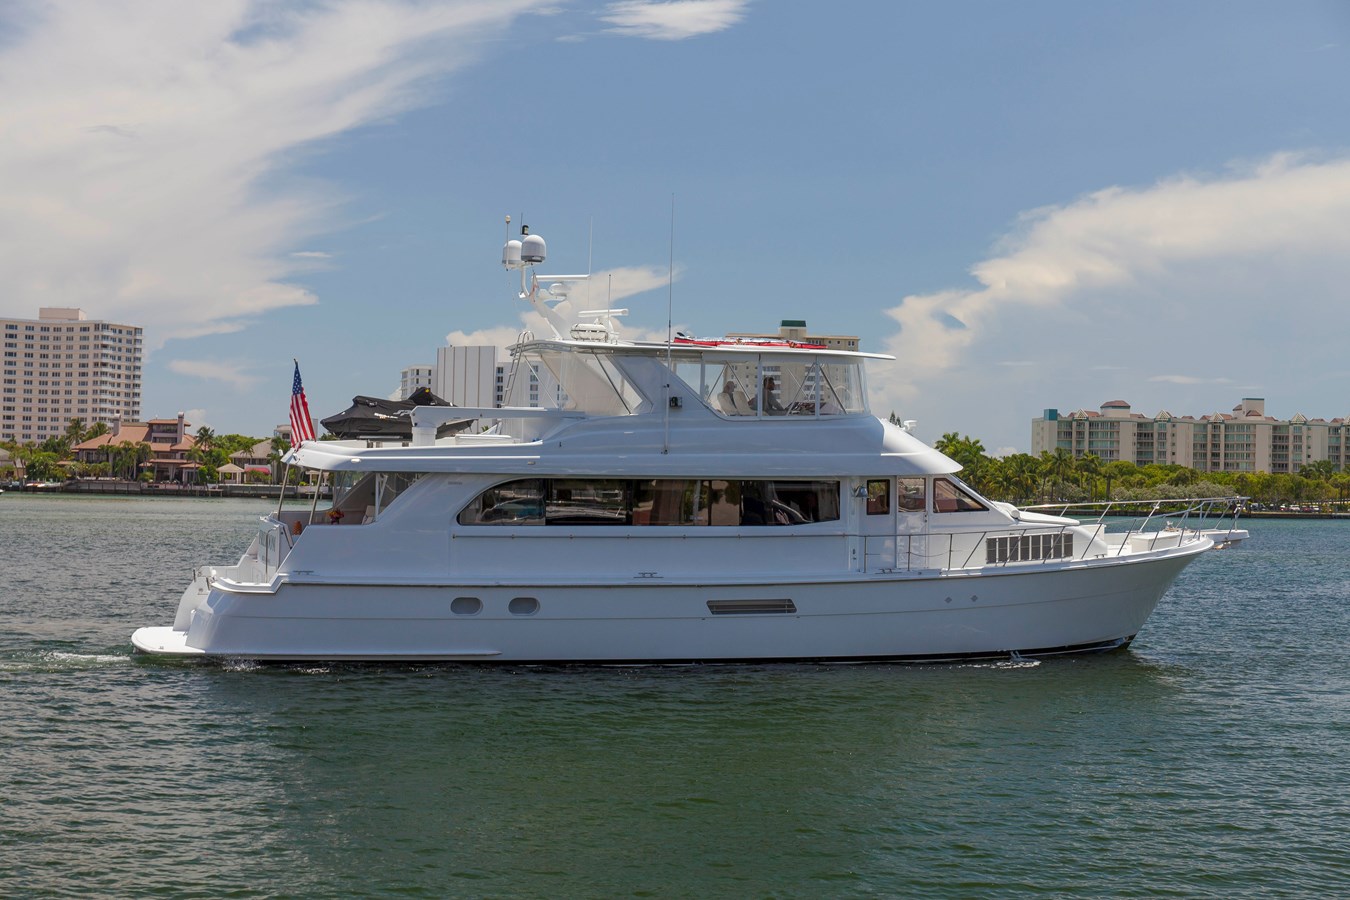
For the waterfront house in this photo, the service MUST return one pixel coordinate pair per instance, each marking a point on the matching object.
(167, 440)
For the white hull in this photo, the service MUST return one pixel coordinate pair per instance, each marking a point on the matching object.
(1083, 606)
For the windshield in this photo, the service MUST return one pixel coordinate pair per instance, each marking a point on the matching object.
(766, 384)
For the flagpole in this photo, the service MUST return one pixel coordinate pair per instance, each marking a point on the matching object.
(314, 504)
(282, 496)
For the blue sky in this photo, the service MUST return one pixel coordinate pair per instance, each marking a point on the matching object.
(1042, 204)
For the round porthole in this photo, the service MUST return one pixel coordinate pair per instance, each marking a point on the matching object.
(523, 606)
(466, 606)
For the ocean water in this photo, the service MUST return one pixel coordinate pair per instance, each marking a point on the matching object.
(1210, 760)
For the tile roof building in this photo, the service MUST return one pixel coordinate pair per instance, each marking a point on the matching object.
(168, 440)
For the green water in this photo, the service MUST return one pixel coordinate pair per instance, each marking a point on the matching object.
(1210, 760)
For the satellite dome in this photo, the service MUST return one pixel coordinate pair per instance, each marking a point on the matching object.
(532, 249)
(511, 254)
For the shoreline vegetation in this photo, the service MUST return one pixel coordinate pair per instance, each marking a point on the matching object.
(203, 463)
(1316, 489)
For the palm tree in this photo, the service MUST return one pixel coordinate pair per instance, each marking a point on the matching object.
(206, 437)
(279, 447)
(75, 432)
(1089, 468)
(141, 454)
(1122, 471)
(965, 450)
(1057, 466)
(1024, 470)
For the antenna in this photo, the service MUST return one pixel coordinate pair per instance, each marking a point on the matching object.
(590, 258)
(670, 324)
(670, 283)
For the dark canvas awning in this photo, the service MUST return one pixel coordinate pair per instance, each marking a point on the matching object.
(374, 418)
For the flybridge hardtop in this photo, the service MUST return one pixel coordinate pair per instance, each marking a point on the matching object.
(696, 499)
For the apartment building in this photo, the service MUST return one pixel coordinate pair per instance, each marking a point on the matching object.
(414, 377)
(62, 366)
(473, 376)
(1245, 440)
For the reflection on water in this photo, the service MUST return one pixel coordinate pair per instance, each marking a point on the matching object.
(1204, 761)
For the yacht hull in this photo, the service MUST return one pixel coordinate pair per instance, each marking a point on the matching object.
(1083, 606)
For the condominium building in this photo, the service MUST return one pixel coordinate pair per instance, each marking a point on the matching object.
(414, 377)
(62, 366)
(473, 376)
(467, 376)
(1245, 440)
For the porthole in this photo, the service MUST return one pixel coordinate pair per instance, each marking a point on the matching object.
(466, 606)
(523, 606)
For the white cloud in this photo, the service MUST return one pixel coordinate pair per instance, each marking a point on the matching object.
(197, 418)
(673, 20)
(210, 370)
(1116, 289)
(135, 137)
(311, 254)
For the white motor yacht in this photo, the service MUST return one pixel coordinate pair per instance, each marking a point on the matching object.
(688, 500)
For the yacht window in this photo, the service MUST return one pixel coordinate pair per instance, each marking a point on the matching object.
(722, 503)
(788, 502)
(661, 501)
(841, 387)
(879, 497)
(728, 391)
(801, 386)
(388, 487)
(949, 497)
(581, 501)
(667, 501)
(913, 496)
(515, 503)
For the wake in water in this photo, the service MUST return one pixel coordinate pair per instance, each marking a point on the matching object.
(62, 661)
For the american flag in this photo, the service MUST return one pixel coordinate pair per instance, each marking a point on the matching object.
(302, 428)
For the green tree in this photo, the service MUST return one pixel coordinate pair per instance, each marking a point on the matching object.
(56, 445)
(75, 432)
(1089, 467)
(279, 447)
(967, 452)
(1321, 470)
(42, 465)
(1058, 469)
(1121, 472)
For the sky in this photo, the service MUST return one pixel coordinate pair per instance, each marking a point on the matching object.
(1032, 205)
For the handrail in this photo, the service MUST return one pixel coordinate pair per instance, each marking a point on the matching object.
(1189, 526)
(1198, 508)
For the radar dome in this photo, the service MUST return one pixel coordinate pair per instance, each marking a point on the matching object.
(511, 254)
(532, 249)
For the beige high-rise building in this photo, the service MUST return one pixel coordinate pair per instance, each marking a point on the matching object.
(1245, 440)
(62, 366)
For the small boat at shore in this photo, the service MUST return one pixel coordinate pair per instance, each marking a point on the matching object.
(688, 500)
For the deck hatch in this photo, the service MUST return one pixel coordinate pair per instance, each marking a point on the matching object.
(744, 607)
